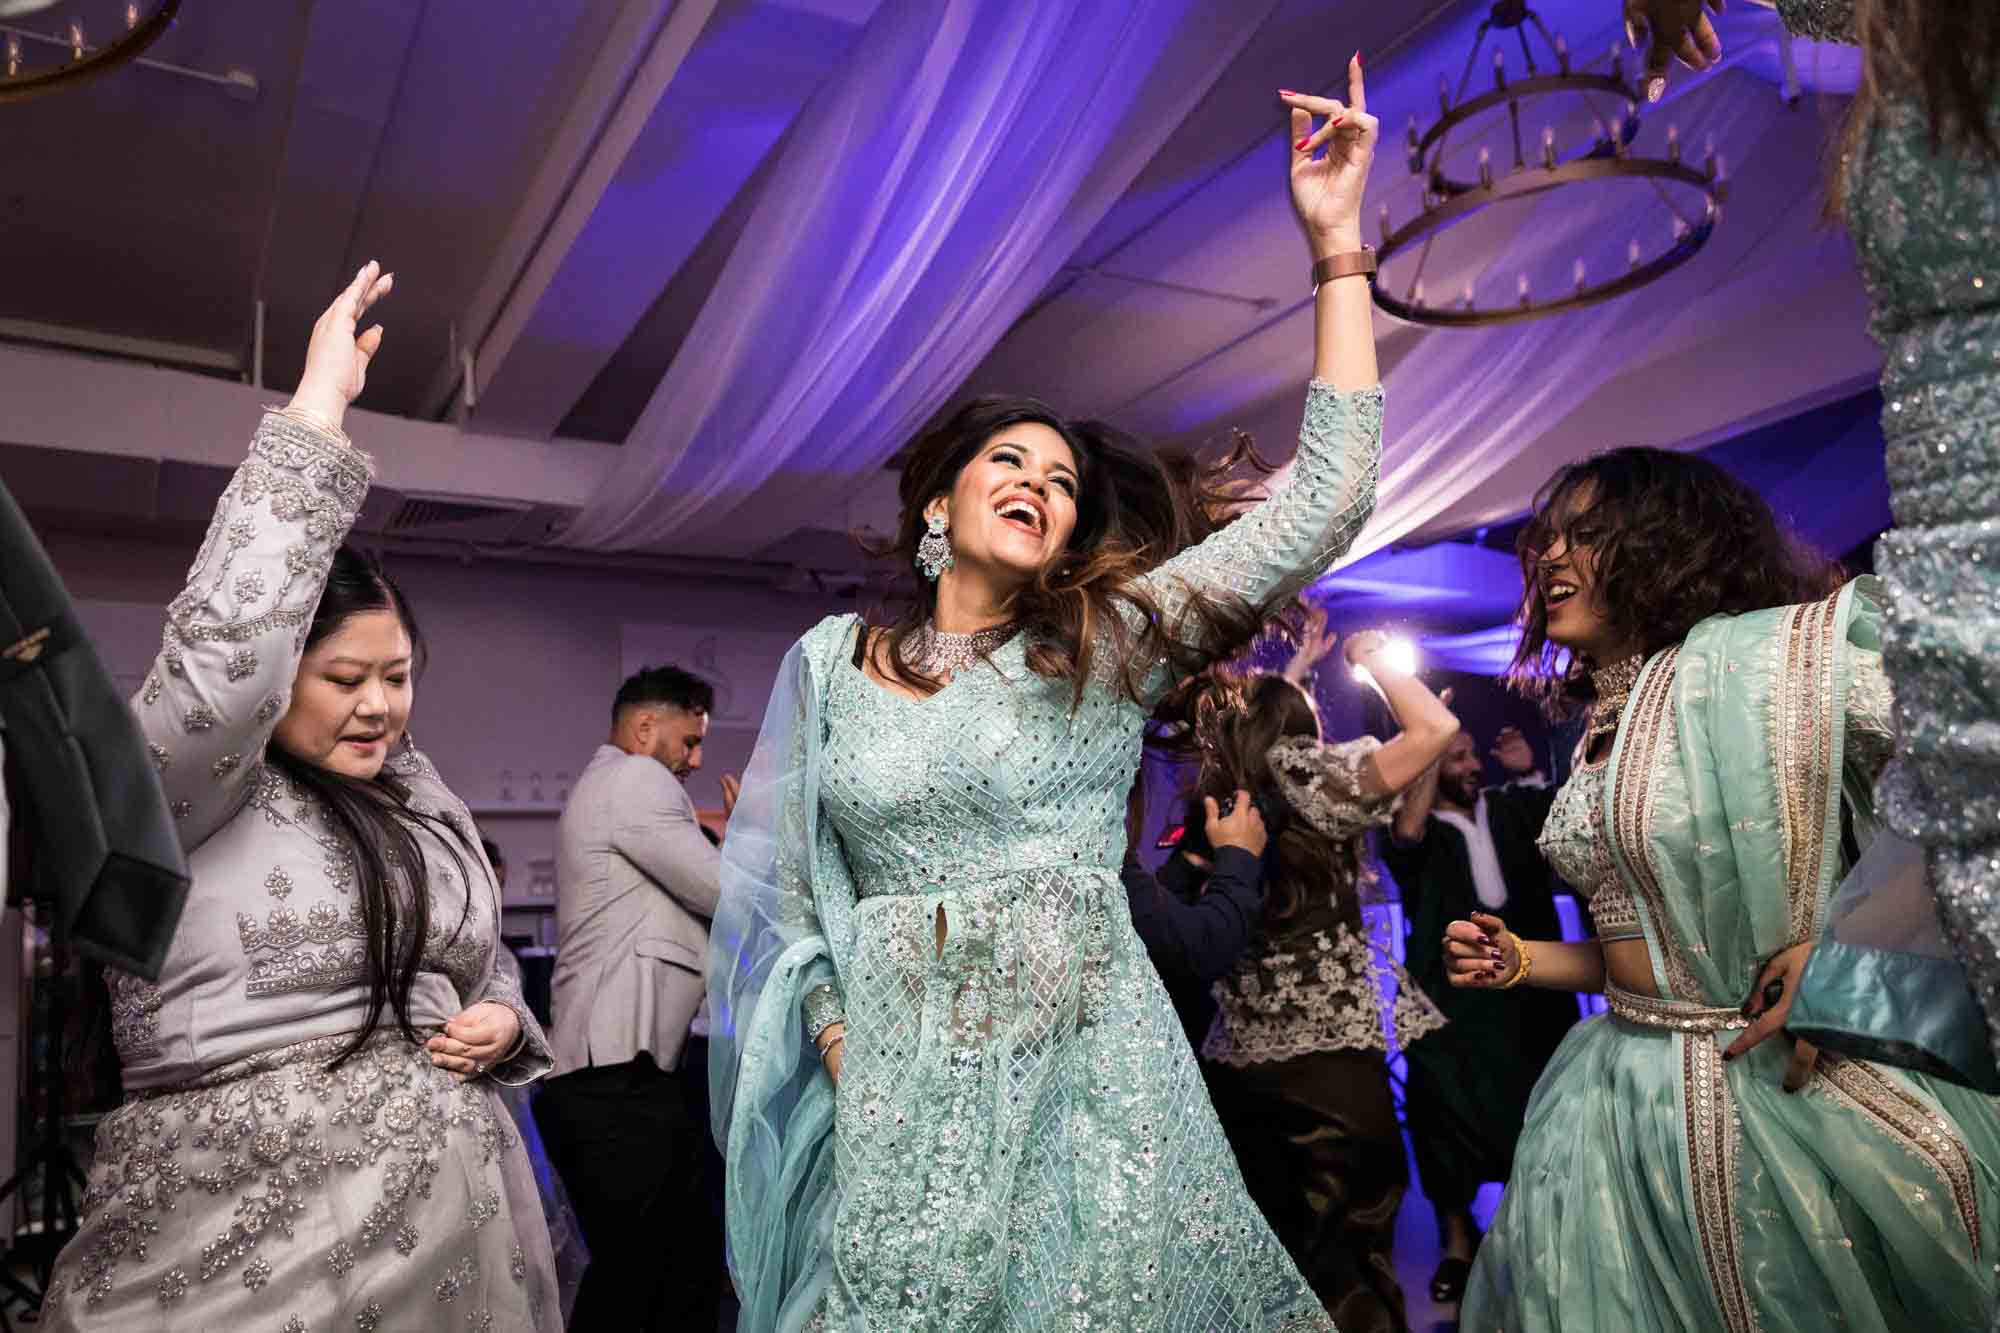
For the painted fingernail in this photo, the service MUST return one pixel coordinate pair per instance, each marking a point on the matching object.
(1357, 57)
(1286, 92)
(1337, 120)
(1301, 144)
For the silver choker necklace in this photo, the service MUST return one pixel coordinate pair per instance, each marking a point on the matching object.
(936, 653)
(1614, 687)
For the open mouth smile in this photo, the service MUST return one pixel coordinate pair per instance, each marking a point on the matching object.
(1023, 512)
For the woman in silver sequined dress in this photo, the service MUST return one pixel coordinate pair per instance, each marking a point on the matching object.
(1920, 187)
(311, 1138)
(949, 1087)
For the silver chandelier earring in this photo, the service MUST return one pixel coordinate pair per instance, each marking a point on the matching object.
(934, 551)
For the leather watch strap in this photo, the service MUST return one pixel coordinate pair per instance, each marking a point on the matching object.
(1345, 265)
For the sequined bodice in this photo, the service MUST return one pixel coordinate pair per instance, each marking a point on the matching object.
(1574, 841)
(992, 776)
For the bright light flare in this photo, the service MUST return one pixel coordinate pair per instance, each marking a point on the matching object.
(1399, 657)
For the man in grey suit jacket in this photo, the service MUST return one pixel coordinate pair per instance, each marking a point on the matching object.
(625, 1116)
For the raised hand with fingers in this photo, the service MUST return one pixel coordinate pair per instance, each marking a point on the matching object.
(1511, 748)
(336, 359)
(1673, 30)
(1326, 187)
(1481, 953)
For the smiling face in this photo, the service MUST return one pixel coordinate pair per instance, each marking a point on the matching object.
(1460, 772)
(1566, 581)
(1012, 508)
(352, 695)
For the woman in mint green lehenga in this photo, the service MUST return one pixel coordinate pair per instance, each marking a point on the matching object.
(1912, 952)
(1684, 1165)
(949, 1087)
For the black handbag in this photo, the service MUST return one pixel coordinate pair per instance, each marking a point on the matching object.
(93, 837)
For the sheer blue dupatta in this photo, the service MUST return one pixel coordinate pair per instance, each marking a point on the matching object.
(1882, 983)
(783, 927)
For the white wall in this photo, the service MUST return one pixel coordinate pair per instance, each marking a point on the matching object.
(524, 660)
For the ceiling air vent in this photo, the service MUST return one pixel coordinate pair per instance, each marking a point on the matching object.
(418, 516)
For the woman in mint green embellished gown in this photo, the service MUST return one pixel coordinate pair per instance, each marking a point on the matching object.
(1683, 1165)
(949, 1087)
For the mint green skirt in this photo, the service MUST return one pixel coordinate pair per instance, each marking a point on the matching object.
(1658, 1188)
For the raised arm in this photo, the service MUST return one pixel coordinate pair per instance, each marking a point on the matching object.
(1427, 724)
(230, 649)
(1318, 505)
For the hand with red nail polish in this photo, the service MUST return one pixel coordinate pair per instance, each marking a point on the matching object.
(1329, 166)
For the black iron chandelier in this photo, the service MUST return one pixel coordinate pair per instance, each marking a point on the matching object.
(49, 45)
(1449, 200)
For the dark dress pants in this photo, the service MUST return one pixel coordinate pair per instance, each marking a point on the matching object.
(632, 1146)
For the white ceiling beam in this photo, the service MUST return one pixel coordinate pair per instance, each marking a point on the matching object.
(642, 51)
(62, 401)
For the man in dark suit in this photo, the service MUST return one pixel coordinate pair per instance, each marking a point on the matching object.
(1458, 847)
(624, 1117)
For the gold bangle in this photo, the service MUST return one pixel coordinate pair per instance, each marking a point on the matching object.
(1525, 963)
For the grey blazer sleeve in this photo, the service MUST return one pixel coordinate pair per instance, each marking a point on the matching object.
(654, 827)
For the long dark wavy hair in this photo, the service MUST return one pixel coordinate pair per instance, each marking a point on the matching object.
(374, 820)
(1232, 719)
(1944, 53)
(1135, 510)
(1674, 539)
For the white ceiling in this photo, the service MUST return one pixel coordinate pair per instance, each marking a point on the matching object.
(556, 182)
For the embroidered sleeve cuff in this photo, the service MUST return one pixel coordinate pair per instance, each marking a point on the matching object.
(823, 1008)
(529, 1059)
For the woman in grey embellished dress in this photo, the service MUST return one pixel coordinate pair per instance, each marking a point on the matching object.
(311, 1140)
(948, 1084)
(1919, 183)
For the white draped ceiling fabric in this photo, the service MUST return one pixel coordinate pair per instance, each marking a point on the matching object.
(926, 196)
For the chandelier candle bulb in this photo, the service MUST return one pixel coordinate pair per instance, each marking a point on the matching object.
(76, 44)
(1673, 143)
(1562, 53)
(1718, 169)
(131, 17)
(1680, 230)
(1521, 288)
(1499, 68)
(1383, 216)
(1417, 293)
(1465, 298)
(1486, 166)
(1549, 147)
(1576, 274)
(1632, 253)
(13, 55)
